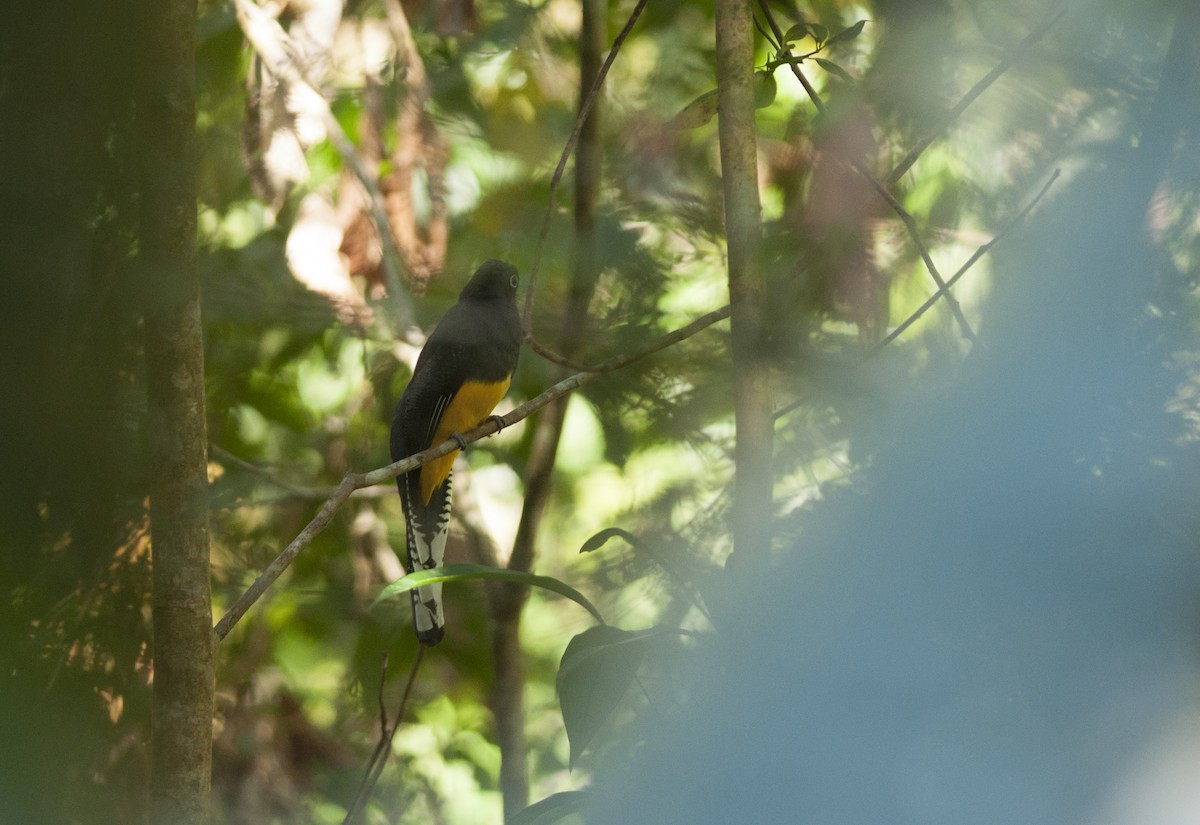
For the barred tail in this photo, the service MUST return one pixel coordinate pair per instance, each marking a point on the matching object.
(427, 528)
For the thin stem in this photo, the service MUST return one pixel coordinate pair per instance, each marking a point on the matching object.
(971, 96)
(384, 747)
(909, 223)
(962, 270)
(584, 111)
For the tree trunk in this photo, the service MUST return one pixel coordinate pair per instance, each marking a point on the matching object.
(752, 510)
(508, 694)
(182, 606)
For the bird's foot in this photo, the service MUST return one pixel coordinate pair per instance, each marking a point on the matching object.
(499, 421)
(459, 440)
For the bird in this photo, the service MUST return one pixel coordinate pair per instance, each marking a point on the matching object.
(463, 371)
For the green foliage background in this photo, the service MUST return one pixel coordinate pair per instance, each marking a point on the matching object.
(297, 395)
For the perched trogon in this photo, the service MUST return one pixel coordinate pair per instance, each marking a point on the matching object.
(461, 374)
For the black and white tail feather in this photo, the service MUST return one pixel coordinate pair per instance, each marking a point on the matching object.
(427, 529)
(426, 539)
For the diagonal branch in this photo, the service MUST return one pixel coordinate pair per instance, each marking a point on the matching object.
(576, 130)
(962, 270)
(975, 91)
(292, 490)
(915, 234)
(383, 748)
(909, 223)
(970, 262)
(354, 481)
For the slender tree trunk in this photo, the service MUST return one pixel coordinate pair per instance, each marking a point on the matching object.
(753, 399)
(508, 695)
(182, 607)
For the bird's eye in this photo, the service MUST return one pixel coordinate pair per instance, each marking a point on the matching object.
(513, 281)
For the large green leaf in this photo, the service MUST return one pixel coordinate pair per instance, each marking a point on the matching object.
(847, 34)
(464, 572)
(596, 669)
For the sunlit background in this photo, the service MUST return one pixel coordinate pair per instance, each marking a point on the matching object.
(983, 609)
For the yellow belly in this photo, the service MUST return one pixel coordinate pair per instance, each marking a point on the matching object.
(473, 402)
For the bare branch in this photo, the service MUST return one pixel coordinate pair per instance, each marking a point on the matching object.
(353, 481)
(915, 234)
(909, 223)
(293, 490)
(384, 747)
(970, 97)
(584, 111)
(962, 270)
(273, 570)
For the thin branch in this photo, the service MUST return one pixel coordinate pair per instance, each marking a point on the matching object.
(505, 603)
(276, 480)
(353, 481)
(971, 96)
(618, 361)
(962, 270)
(273, 570)
(384, 748)
(704, 321)
(274, 47)
(377, 754)
(909, 223)
(915, 234)
(777, 45)
(787, 52)
(383, 720)
(584, 111)
(552, 356)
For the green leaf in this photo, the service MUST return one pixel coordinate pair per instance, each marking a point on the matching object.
(704, 108)
(465, 572)
(764, 89)
(847, 34)
(554, 808)
(600, 539)
(819, 32)
(833, 68)
(596, 670)
(697, 113)
(796, 33)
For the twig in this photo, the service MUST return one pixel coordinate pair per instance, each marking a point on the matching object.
(383, 722)
(915, 234)
(618, 361)
(787, 52)
(962, 270)
(294, 490)
(353, 481)
(584, 111)
(975, 91)
(273, 570)
(273, 46)
(552, 356)
(909, 223)
(384, 748)
(384, 740)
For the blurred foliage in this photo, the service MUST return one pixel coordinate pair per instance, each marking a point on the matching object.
(302, 378)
